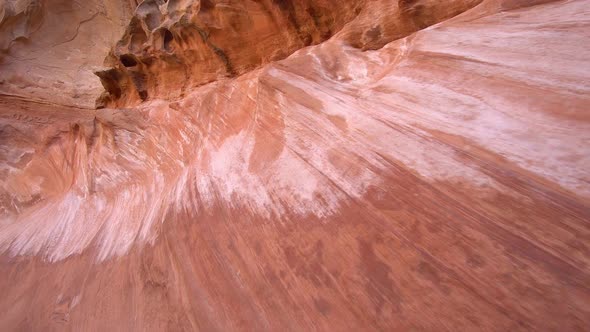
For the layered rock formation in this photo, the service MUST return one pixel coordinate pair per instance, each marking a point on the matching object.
(295, 165)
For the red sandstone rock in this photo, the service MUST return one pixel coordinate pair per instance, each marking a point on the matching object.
(298, 165)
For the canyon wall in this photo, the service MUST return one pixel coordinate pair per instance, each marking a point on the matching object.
(294, 165)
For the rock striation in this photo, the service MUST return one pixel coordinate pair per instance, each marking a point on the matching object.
(294, 165)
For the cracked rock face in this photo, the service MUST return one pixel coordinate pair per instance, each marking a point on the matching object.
(294, 165)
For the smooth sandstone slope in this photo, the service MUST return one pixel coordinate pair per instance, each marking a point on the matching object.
(436, 182)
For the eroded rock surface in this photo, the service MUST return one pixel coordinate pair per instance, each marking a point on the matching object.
(171, 47)
(299, 165)
(49, 49)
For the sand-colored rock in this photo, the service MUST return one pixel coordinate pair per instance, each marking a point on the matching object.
(414, 176)
(49, 49)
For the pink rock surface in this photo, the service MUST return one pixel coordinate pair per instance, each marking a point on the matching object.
(395, 174)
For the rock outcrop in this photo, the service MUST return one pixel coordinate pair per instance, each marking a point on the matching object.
(49, 49)
(170, 47)
(295, 165)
